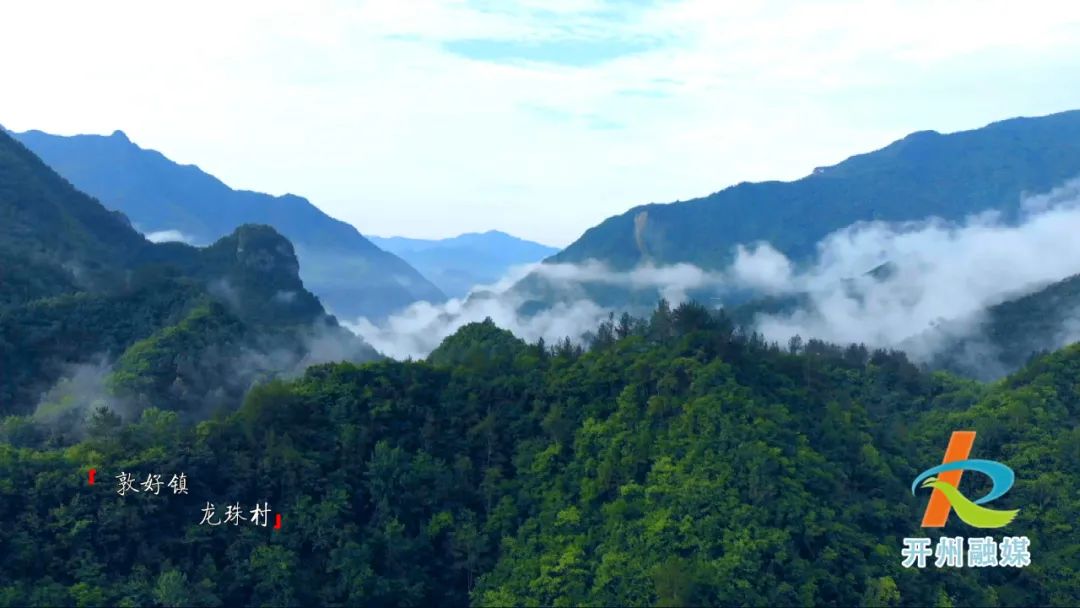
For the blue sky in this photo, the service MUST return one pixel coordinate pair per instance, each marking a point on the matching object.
(573, 53)
(429, 118)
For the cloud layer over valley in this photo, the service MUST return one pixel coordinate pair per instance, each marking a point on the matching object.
(874, 283)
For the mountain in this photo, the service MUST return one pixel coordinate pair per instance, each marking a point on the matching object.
(675, 463)
(460, 263)
(51, 240)
(79, 288)
(924, 174)
(170, 201)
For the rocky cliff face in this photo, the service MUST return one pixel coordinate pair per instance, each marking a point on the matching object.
(257, 270)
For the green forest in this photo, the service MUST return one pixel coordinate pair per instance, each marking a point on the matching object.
(676, 458)
(676, 461)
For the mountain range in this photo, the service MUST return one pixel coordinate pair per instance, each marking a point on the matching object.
(671, 460)
(170, 201)
(991, 170)
(458, 264)
(926, 174)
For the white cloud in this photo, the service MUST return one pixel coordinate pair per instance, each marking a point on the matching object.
(938, 272)
(169, 236)
(358, 106)
(420, 328)
(762, 267)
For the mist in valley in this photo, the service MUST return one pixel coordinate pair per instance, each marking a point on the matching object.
(916, 285)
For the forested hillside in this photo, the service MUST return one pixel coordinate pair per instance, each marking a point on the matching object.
(676, 462)
(189, 328)
(856, 388)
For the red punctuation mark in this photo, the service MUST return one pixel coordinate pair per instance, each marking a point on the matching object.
(92, 471)
(277, 521)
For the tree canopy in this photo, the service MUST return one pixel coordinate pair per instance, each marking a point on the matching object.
(677, 461)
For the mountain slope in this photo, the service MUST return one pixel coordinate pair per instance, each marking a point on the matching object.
(95, 288)
(925, 174)
(52, 239)
(352, 276)
(460, 263)
(1006, 336)
(678, 464)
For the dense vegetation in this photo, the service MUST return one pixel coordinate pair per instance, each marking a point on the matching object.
(352, 276)
(678, 460)
(675, 462)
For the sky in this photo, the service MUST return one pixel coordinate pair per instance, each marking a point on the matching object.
(541, 118)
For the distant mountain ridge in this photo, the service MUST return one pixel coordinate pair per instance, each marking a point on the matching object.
(924, 174)
(460, 263)
(352, 276)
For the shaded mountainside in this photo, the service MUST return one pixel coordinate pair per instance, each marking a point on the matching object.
(80, 287)
(925, 174)
(1006, 336)
(53, 239)
(675, 463)
(351, 275)
(458, 264)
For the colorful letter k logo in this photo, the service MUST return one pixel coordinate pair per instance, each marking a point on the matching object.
(939, 507)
